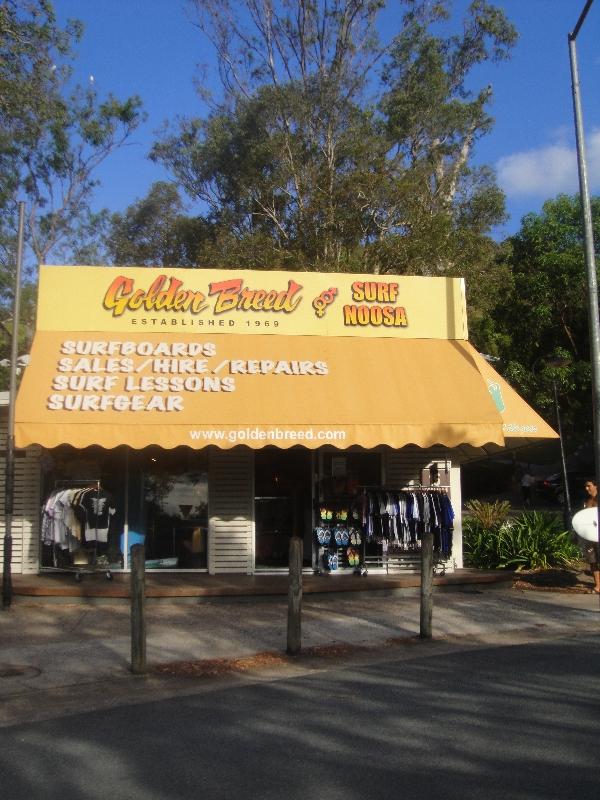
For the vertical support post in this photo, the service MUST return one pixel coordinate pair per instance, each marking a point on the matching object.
(126, 513)
(138, 610)
(567, 510)
(426, 585)
(294, 626)
(9, 478)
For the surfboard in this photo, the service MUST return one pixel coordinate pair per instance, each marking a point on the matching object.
(585, 524)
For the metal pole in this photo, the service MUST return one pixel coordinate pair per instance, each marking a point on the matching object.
(9, 480)
(590, 261)
(567, 511)
(126, 513)
(581, 19)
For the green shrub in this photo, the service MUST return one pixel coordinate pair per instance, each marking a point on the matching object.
(489, 515)
(480, 544)
(533, 540)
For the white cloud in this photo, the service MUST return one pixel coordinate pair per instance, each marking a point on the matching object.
(549, 170)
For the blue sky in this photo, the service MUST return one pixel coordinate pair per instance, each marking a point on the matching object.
(151, 48)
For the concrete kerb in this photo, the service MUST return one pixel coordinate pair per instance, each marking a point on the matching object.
(266, 599)
(269, 594)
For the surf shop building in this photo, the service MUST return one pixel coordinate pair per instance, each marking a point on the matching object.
(212, 414)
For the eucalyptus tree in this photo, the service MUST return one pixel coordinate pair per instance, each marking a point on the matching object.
(439, 204)
(333, 148)
(273, 162)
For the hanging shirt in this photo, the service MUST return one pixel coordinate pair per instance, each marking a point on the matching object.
(99, 508)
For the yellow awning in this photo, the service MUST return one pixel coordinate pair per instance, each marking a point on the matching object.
(139, 389)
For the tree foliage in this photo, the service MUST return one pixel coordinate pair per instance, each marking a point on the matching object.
(541, 327)
(155, 231)
(332, 150)
(53, 137)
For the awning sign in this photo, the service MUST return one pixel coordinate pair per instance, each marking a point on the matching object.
(141, 389)
(141, 375)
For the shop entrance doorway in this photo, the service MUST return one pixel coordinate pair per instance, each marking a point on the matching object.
(282, 504)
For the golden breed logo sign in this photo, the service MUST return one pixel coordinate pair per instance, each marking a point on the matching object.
(137, 299)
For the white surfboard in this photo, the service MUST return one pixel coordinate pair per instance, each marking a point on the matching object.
(585, 524)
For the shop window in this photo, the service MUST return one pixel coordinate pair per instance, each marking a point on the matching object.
(282, 503)
(162, 495)
(175, 493)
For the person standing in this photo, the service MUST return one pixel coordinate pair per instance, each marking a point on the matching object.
(590, 549)
(527, 482)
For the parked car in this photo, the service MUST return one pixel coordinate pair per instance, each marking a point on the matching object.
(551, 489)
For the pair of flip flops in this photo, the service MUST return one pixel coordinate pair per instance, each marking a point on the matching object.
(353, 557)
(341, 536)
(355, 537)
(323, 535)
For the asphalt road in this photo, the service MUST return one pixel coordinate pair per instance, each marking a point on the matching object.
(518, 722)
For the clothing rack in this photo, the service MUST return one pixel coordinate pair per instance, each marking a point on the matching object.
(395, 554)
(419, 487)
(91, 566)
(67, 483)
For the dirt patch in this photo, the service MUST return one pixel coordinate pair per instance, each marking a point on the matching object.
(572, 581)
(334, 650)
(215, 667)
(212, 667)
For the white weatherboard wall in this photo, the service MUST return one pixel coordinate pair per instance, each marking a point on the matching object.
(25, 527)
(231, 509)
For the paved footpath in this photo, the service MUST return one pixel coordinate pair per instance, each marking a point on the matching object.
(59, 657)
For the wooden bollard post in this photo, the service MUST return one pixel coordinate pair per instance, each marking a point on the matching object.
(294, 626)
(426, 585)
(138, 609)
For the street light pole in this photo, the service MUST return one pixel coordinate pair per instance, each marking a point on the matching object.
(590, 261)
(9, 479)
